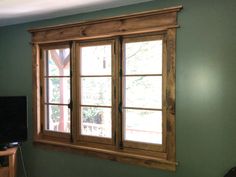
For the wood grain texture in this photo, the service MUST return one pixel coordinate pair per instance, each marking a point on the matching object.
(143, 160)
(171, 47)
(150, 21)
(158, 24)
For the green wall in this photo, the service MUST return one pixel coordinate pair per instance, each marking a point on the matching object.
(205, 104)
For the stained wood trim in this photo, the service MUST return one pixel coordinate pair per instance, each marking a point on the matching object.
(144, 146)
(36, 90)
(164, 90)
(119, 90)
(157, 24)
(55, 45)
(74, 98)
(151, 21)
(170, 94)
(61, 135)
(150, 12)
(119, 156)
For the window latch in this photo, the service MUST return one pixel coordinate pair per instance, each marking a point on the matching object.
(120, 107)
(70, 105)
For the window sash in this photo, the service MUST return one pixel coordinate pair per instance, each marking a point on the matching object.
(44, 96)
(82, 138)
(137, 144)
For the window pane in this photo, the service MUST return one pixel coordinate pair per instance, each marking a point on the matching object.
(96, 91)
(96, 121)
(58, 90)
(57, 118)
(58, 63)
(96, 60)
(143, 126)
(143, 92)
(143, 57)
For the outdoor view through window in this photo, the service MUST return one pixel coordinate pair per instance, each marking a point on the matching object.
(96, 87)
(57, 89)
(143, 91)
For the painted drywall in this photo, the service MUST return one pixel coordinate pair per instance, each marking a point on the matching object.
(205, 91)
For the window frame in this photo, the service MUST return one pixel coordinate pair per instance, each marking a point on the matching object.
(141, 38)
(63, 136)
(130, 27)
(86, 138)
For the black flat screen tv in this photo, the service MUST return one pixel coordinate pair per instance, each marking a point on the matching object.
(13, 120)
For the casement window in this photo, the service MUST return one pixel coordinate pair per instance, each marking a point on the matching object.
(107, 87)
(143, 92)
(55, 89)
(96, 103)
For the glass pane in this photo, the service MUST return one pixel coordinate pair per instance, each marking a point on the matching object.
(58, 63)
(96, 91)
(143, 92)
(57, 118)
(96, 60)
(143, 126)
(143, 57)
(58, 90)
(96, 121)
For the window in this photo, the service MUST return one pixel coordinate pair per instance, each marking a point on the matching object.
(107, 87)
(55, 82)
(142, 89)
(96, 107)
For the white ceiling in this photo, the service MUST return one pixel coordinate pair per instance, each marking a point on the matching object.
(20, 11)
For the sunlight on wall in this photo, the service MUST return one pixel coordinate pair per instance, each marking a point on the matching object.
(205, 82)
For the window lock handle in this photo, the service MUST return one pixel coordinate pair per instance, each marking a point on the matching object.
(70, 105)
(120, 107)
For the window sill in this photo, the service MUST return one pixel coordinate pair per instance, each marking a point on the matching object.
(147, 161)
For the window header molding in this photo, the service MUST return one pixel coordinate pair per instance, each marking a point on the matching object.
(149, 21)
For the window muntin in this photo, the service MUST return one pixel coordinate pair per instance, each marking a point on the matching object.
(161, 22)
(57, 89)
(96, 110)
(143, 92)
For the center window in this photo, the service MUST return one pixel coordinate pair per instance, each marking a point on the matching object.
(95, 91)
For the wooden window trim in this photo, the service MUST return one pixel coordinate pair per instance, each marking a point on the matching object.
(146, 22)
(163, 22)
(110, 154)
